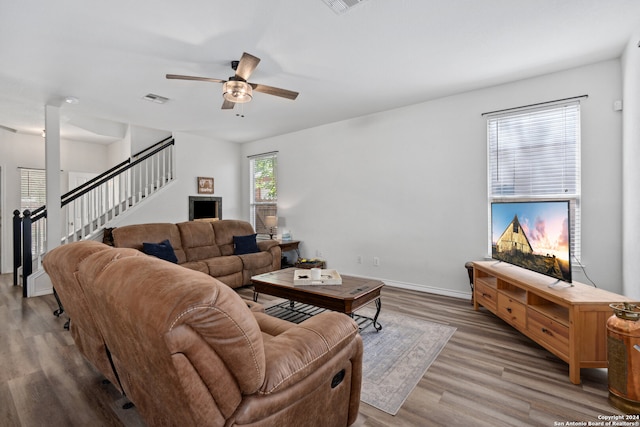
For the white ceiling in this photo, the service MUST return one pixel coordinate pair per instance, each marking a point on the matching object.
(381, 54)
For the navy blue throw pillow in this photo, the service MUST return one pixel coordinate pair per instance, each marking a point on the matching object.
(162, 250)
(245, 244)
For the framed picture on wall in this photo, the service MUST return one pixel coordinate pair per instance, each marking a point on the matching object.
(205, 185)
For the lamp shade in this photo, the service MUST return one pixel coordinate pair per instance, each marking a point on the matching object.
(237, 91)
(271, 221)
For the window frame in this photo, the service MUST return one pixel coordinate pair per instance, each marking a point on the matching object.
(261, 207)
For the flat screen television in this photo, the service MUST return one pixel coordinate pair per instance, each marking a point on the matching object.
(533, 235)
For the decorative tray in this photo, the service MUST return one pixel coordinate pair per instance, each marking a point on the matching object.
(327, 277)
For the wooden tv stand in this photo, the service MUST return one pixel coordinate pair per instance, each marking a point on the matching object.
(569, 321)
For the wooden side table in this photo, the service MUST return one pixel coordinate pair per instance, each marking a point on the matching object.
(287, 246)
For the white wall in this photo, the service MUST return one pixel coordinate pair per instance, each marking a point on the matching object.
(21, 150)
(119, 151)
(142, 137)
(409, 185)
(195, 156)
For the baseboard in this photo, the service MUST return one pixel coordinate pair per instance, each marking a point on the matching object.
(421, 288)
(429, 289)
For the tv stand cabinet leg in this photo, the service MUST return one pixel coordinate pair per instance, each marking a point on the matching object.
(574, 373)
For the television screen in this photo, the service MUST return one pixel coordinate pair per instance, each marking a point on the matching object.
(533, 235)
(204, 209)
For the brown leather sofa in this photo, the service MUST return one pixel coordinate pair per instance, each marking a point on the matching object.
(188, 351)
(206, 246)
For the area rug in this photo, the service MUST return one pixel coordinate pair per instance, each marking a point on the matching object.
(397, 357)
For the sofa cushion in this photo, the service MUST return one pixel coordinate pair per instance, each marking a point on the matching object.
(132, 236)
(162, 250)
(200, 266)
(225, 230)
(224, 266)
(245, 244)
(198, 240)
(256, 261)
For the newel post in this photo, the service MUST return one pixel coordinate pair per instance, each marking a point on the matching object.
(17, 245)
(27, 261)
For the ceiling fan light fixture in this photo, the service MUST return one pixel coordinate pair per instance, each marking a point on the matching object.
(237, 91)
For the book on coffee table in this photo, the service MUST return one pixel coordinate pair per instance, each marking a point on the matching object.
(327, 277)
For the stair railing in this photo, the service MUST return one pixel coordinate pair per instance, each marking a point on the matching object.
(88, 208)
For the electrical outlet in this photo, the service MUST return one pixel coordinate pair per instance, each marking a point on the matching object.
(359, 259)
(376, 261)
(318, 253)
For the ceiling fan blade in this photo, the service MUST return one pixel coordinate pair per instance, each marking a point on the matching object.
(289, 94)
(202, 79)
(228, 105)
(247, 64)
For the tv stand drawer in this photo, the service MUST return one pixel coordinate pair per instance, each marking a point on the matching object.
(549, 332)
(486, 296)
(512, 311)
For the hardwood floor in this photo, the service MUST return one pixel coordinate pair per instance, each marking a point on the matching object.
(487, 375)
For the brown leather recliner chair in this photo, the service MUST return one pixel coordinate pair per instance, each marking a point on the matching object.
(190, 352)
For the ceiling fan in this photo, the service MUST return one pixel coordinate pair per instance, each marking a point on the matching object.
(237, 90)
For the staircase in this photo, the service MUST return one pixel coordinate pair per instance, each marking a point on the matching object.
(88, 209)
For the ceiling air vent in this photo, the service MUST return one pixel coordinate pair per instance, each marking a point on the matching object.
(155, 98)
(341, 6)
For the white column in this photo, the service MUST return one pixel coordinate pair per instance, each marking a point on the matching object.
(52, 164)
(631, 169)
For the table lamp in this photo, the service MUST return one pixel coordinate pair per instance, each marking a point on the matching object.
(271, 222)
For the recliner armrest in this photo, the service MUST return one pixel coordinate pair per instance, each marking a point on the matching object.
(266, 245)
(300, 350)
(273, 248)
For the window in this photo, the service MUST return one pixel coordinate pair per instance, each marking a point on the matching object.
(33, 188)
(33, 194)
(264, 189)
(534, 154)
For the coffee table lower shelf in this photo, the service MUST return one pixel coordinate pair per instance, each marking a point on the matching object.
(297, 312)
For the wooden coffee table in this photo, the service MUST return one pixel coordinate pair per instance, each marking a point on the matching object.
(352, 294)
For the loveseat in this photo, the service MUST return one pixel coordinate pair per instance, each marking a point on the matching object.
(187, 350)
(211, 247)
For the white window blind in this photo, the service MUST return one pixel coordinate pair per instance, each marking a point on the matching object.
(264, 189)
(33, 194)
(33, 188)
(534, 154)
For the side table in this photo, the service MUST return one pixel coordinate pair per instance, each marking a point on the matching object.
(287, 246)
